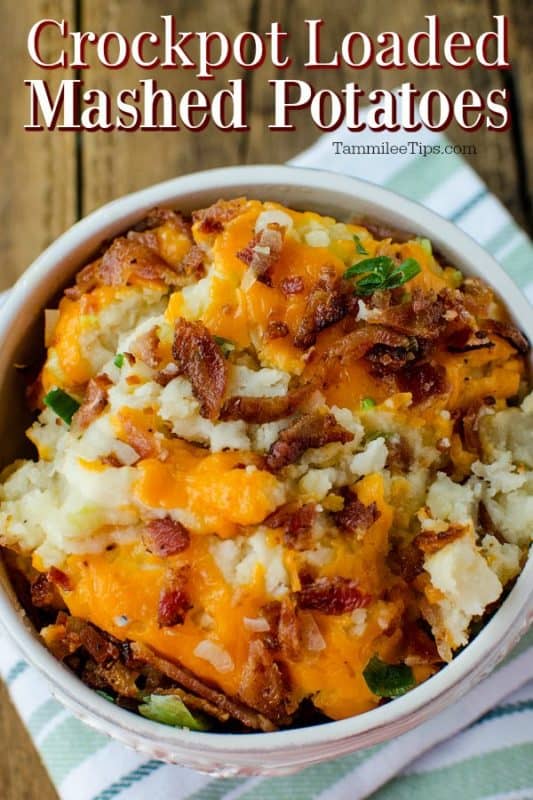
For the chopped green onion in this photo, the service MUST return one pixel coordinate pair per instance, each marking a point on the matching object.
(381, 273)
(118, 361)
(62, 404)
(380, 265)
(359, 247)
(388, 680)
(169, 709)
(370, 437)
(457, 277)
(367, 403)
(425, 244)
(226, 345)
(105, 695)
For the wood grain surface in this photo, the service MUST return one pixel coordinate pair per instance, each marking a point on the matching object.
(51, 179)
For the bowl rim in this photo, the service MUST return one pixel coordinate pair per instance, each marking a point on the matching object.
(50, 269)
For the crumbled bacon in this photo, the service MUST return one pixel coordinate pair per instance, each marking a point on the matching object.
(145, 348)
(163, 216)
(166, 537)
(86, 280)
(421, 648)
(174, 601)
(400, 455)
(192, 263)
(100, 645)
(332, 596)
(423, 380)
(214, 218)
(327, 303)
(183, 677)
(289, 634)
(200, 359)
(297, 523)
(431, 541)
(293, 284)
(94, 402)
(509, 332)
(115, 676)
(387, 360)
(467, 424)
(466, 340)
(263, 685)
(259, 410)
(407, 561)
(126, 259)
(276, 329)
(311, 430)
(263, 251)
(60, 579)
(167, 374)
(355, 516)
(358, 342)
(44, 593)
(143, 441)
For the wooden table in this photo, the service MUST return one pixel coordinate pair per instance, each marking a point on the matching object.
(52, 179)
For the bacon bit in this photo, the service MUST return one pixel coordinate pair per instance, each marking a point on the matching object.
(145, 348)
(143, 442)
(263, 686)
(60, 579)
(297, 522)
(200, 359)
(44, 593)
(293, 284)
(387, 360)
(112, 460)
(509, 332)
(310, 634)
(327, 303)
(98, 644)
(263, 251)
(166, 537)
(182, 676)
(94, 402)
(86, 280)
(332, 596)
(465, 341)
(421, 648)
(355, 516)
(431, 541)
(311, 430)
(289, 634)
(400, 457)
(115, 676)
(192, 264)
(259, 410)
(407, 562)
(276, 329)
(161, 216)
(467, 426)
(167, 374)
(422, 315)
(423, 381)
(359, 341)
(214, 218)
(173, 600)
(126, 259)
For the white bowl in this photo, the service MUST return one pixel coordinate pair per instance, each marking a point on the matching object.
(284, 751)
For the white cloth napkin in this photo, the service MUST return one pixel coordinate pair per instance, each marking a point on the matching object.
(480, 748)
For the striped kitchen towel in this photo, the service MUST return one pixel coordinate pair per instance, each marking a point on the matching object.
(480, 748)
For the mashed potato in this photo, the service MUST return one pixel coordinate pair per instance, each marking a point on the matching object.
(274, 451)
